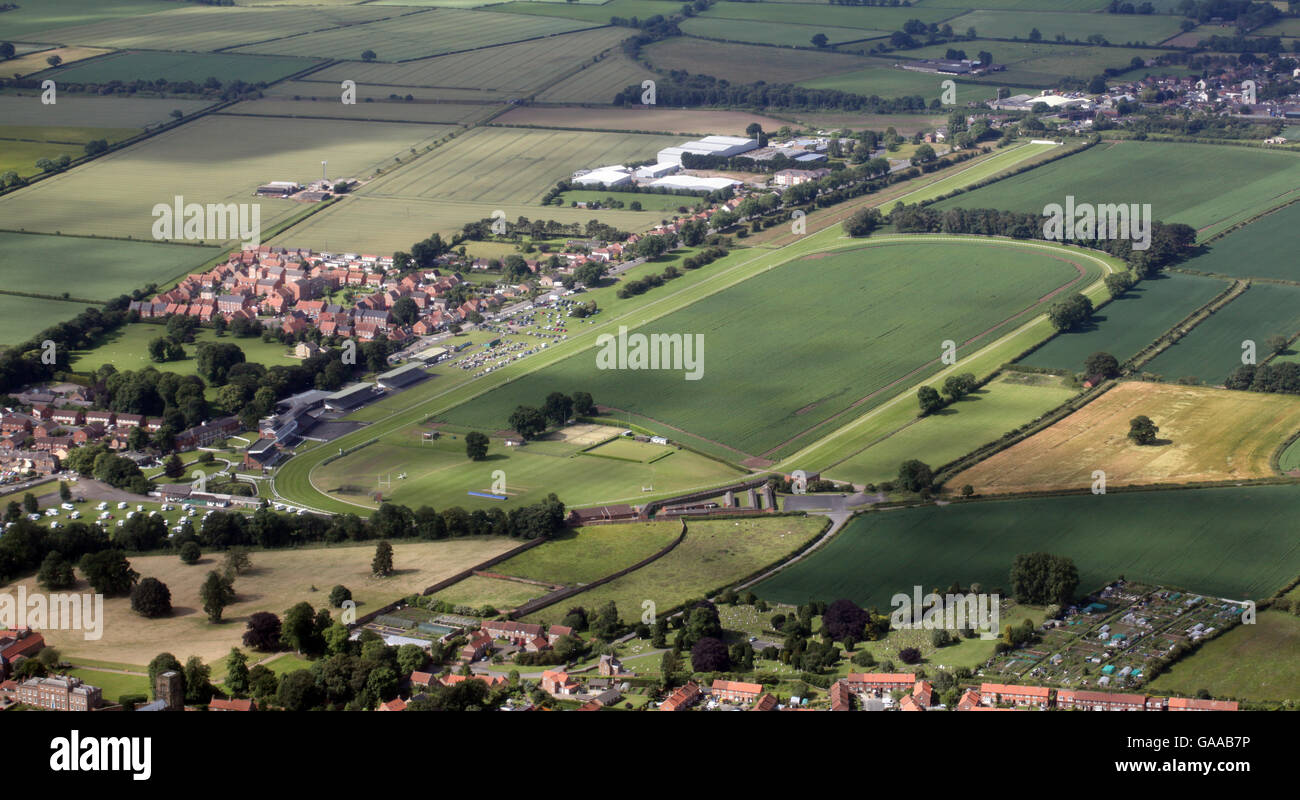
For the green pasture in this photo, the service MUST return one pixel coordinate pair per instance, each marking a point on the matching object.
(198, 67)
(37, 20)
(21, 318)
(1248, 662)
(581, 555)
(128, 349)
(1263, 249)
(773, 33)
(1117, 28)
(91, 269)
(1235, 543)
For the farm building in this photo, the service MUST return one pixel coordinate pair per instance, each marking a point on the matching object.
(401, 377)
(708, 146)
(278, 189)
(350, 397)
(694, 183)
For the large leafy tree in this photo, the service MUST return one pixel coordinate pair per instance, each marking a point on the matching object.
(710, 655)
(843, 620)
(217, 592)
(151, 598)
(1043, 579)
(108, 572)
(263, 632)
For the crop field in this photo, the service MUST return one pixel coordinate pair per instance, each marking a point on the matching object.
(1205, 435)
(57, 264)
(1126, 325)
(38, 20)
(32, 63)
(438, 473)
(714, 553)
(1214, 348)
(886, 81)
(873, 18)
(478, 591)
(63, 134)
(1233, 543)
(128, 349)
(516, 165)
(278, 580)
(1246, 662)
(418, 35)
(378, 224)
(1023, 5)
(1205, 186)
(1043, 63)
(240, 153)
(752, 324)
(21, 318)
(595, 13)
(581, 555)
(197, 67)
(311, 90)
(773, 33)
(599, 82)
(21, 157)
(209, 28)
(977, 419)
(97, 112)
(1263, 249)
(746, 63)
(450, 115)
(1117, 28)
(521, 67)
(681, 122)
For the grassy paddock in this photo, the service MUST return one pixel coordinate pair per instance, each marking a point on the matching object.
(57, 264)
(1247, 662)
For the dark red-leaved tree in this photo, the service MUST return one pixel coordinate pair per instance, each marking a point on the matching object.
(843, 620)
(710, 655)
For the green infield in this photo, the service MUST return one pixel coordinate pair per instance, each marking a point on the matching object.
(582, 555)
(894, 304)
(1263, 249)
(1233, 543)
(1128, 324)
(21, 318)
(1247, 663)
(1216, 347)
(714, 554)
(128, 349)
(91, 269)
(438, 473)
(197, 67)
(1209, 187)
(979, 418)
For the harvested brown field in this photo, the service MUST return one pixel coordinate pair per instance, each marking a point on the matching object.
(1205, 435)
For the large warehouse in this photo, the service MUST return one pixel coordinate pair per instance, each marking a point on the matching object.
(616, 175)
(693, 183)
(708, 146)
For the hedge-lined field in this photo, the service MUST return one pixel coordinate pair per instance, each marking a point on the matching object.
(196, 67)
(1117, 28)
(91, 269)
(1236, 543)
(1209, 187)
(1263, 249)
(1214, 348)
(1130, 323)
(783, 354)
(773, 33)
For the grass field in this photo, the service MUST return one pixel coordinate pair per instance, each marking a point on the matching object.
(1024, 5)
(477, 591)
(1262, 249)
(884, 80)
(684, 122)
(57, 264)
(598, 83)
(418, 35)
(1214, 348)
(866, 17)
(240, 153)
(21, 157)
(773, 33)
(515, 165)
(594, 13)
(32, 63)
(746, 63)
(279, 579)
(980, 418)
(1205, 435)
(581, 555)
(1246, 662)
(714, 553)
(1117, 28)
(1232, 543)
(1206, 186)
(1042, 63)
(23, 317)
(196, 67)
(64, 134)
(37, 20)
(648, 201)
(439, 474)
(750, 324)
(1128, 324)
(378, 224)
(385, 110)
(128, 349)
(97, 112)
(209, 28)
(113, 685)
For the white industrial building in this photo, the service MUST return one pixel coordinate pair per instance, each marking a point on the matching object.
(693, 183)
(616, 175)
(659, 170)
(708, 146)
